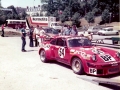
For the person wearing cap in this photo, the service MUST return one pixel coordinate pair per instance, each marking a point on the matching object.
(23, 37)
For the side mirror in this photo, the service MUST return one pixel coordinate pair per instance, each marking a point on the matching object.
(65, 47)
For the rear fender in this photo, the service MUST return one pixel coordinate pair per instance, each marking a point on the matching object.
(48, 53)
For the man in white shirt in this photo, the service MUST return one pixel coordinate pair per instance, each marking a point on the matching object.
(41, 36)
(37, 32)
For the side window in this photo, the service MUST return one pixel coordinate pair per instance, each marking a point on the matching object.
(61, 42)
(53, 42)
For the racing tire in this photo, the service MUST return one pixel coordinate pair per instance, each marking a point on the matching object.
(77, 66)
(43, 56)
(117, 33)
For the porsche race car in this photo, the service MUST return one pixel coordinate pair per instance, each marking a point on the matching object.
(81, 55)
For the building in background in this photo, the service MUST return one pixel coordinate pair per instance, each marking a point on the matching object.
(36, 10)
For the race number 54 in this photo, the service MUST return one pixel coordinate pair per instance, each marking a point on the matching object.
(61, 52)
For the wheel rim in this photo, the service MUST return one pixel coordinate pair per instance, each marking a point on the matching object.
(42, 55)
(76, 65)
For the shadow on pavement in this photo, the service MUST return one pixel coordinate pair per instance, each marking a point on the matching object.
(60, 64)
(31, 50)
(113, 87)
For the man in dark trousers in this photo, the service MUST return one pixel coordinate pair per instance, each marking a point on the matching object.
(31, 36)
(23, 37)
(2, 30)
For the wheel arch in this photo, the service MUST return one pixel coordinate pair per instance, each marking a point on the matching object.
(81, 60)
(75, 57)
(40, 50)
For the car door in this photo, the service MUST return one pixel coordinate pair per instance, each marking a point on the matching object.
(61, 50)
(52, 48)
(110, 31)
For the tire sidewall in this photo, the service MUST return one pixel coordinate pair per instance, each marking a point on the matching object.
(81, 71)
(45, 60)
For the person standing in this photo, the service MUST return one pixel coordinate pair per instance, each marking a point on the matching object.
(63, 29)
(67, 30)
(23, 37)
(74, 31)
(36, 31)
(2, 30)
(41, 34)
(31, 36)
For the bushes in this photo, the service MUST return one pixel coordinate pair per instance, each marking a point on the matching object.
(90, 17)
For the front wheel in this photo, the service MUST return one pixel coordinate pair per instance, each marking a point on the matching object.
(43, 56)
(117, 33)
(77, 66)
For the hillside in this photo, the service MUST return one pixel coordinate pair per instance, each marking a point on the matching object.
(116, 25)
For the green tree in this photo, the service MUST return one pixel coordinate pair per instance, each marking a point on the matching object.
(22, 15)
(90, 17)
(105, 16)
(65, 15)
(76, 19)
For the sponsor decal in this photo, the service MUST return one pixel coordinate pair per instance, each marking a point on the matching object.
(93, 71)
(83, 54)
(47, 46)
(72, 51)
(97, 51)
(87, 48)
(61, 52)
(107, 58)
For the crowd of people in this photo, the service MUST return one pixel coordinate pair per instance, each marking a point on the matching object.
(38, 32)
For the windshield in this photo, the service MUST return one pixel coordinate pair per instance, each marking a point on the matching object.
(79, 42)
(52, 31)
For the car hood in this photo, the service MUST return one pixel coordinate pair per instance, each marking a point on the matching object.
(102, 54)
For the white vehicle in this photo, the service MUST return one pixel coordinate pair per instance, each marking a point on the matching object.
(108, 31)
(93, 29)
(44, 22)
(56, 25)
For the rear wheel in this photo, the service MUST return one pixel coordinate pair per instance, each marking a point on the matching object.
(117, 33)
(43, 56)
(77, 66)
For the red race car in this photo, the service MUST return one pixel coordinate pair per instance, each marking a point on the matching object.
(81, 55)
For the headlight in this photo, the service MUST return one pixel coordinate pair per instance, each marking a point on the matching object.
(94, 57)
(118, 54)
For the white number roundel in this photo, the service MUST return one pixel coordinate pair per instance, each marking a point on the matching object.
(61, 52)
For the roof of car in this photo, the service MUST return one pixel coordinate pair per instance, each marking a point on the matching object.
(108, 28)
(62, 36)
